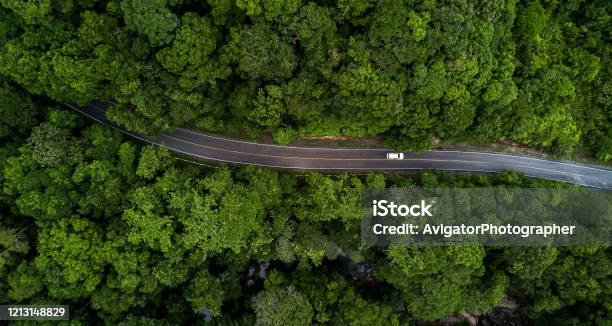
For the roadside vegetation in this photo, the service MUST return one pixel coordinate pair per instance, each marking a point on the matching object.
(536, 72)
(127, 235)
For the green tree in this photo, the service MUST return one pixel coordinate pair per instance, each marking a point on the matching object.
(260, 52)
(556, 129)
(190, 55)
(152, 160)
(205, 292)
(268, 108)
(151, 18)
(282, 306)
(32, 11)
(270, 9)
(17, 113)
(51, 146)
(71, 257)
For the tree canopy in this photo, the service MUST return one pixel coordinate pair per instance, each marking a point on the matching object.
(536, 72)
(128, 234)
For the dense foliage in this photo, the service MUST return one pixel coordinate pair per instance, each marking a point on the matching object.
(537, 72)
(127, 235)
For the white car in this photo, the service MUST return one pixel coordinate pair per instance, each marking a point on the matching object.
(395, 156)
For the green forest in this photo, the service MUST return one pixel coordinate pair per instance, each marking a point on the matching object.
(128, 234)
(535, 72)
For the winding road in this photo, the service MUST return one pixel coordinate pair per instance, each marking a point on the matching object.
(208, 147)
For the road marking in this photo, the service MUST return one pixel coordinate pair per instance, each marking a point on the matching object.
(603, 169)
(369, 159)
(316, 158)
(385, 150)
(364, 169)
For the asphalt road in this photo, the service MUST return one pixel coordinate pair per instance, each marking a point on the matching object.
(208, 147)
